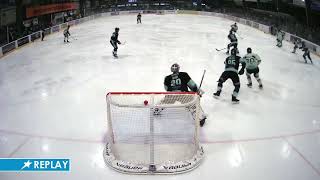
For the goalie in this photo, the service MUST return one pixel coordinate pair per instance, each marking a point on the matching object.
(181, 82)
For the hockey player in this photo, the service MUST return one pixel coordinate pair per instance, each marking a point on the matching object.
(114, 42)
(280, 36)
(306, 52)
(231, 71)
(296, 45)
(252, 62)
(181, 82)
(42, 34)
(234, 41)
(66, 34)
(139, 18)
(234, 27)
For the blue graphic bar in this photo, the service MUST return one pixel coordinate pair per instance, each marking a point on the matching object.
(25, 164)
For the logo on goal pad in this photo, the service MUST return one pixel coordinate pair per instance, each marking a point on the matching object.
(24, 164)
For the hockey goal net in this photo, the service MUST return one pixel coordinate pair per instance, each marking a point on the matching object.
(153, 132)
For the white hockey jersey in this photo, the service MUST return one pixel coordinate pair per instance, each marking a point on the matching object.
(252, 60)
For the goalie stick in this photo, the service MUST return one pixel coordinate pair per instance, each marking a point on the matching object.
(204, 72)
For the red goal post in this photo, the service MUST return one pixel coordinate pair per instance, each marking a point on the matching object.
(153, 132)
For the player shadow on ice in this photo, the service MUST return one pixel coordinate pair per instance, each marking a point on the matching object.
(308, 64)
(301, 61)
(110, 57)
(271, 91)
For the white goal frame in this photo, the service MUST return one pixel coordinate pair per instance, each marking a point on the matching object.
(125, 166)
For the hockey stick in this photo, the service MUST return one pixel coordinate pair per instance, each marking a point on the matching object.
(204, 72)
(123, 43)
(221, 49)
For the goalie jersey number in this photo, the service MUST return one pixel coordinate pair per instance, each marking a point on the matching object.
(177, 82)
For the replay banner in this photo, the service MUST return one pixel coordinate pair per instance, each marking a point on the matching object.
(25, 164)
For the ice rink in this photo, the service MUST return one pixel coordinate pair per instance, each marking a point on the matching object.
(52, 100)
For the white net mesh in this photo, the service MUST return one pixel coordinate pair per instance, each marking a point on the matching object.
(156, 132)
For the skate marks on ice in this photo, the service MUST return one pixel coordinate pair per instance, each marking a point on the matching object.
(76, 59)
(272, 93)
(43, 87)
(278, 93)
(50, 85)
(307, 66)
(46, 87)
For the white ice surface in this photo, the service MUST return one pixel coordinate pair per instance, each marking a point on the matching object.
(52, 98)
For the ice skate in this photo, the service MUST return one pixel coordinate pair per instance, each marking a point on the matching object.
(235, 100)
(260, 86)
(202, 121)
(216, 94)
(114, 54)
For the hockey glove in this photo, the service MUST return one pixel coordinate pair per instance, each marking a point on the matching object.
(241, 71)
(200, 92)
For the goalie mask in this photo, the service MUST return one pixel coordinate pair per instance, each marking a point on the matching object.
(175, 68)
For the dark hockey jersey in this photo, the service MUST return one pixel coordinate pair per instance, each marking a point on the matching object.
(114, 37)
(177, 82)
(232, 37)
(66, 32)
(304, 48)
(232, 63)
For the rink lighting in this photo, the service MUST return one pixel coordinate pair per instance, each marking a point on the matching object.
(315, 123)
(45, 147)
(44, 94)
(285, 152)
(235, 156)
(3, 140)
(97, 161)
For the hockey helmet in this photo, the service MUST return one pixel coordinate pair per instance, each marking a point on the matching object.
(117, 29)
(175, 68)
(233, 51)
(249, 50)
